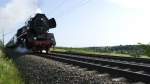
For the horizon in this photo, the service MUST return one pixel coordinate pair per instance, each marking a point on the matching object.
(96, 46)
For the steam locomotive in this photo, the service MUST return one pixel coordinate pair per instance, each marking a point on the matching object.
(34, 35)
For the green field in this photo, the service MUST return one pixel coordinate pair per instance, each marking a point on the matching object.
(78, 50)
(93, 52)
(8, 71)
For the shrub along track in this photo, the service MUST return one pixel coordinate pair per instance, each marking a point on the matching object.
(133, 71)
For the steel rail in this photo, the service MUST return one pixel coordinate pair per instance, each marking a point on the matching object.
(132, 76)
(133, 66)
(121, 58)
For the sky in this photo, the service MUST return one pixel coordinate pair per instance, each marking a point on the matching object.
(83, 23)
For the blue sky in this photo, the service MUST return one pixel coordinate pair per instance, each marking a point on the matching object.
(98, 22)
(3, 2)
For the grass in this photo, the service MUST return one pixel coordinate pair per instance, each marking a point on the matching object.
(8, 71)
(92, 53)
(83, 51)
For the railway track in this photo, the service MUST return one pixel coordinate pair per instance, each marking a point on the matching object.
(133, 71)
(119, 58)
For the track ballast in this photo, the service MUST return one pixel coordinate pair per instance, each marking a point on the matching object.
(133, 71)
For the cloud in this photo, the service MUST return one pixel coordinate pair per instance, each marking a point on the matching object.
(16, 12)
(134, 18)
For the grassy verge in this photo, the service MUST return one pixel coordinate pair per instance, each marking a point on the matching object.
(74, 50)
(91, 53)
(8, 71)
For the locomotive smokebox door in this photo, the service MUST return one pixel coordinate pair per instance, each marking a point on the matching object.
(52, 23)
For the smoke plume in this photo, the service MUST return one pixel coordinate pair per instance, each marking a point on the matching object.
(22, 50)
(16, 12)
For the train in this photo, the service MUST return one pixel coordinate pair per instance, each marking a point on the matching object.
(35, 34)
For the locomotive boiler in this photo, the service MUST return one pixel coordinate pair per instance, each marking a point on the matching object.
(35, 34)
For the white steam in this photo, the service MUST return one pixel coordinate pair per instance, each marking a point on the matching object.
(16, 12)
(22, 50)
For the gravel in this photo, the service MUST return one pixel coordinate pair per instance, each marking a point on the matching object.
(39, 70)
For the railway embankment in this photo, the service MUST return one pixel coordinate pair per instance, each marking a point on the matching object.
(39, 70)
(135, 72)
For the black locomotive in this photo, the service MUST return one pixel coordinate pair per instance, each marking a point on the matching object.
(34, 35)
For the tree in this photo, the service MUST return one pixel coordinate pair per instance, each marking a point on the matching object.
(146, 48)
(1, 44)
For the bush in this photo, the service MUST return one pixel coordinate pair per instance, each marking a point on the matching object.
(146, 48)
(8, 71)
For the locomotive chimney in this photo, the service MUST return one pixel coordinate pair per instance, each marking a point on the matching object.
(52, 23)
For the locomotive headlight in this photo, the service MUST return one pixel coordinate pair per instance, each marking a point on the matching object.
(35, 38)
(27, 28)
(42, 19)
(52, 39)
